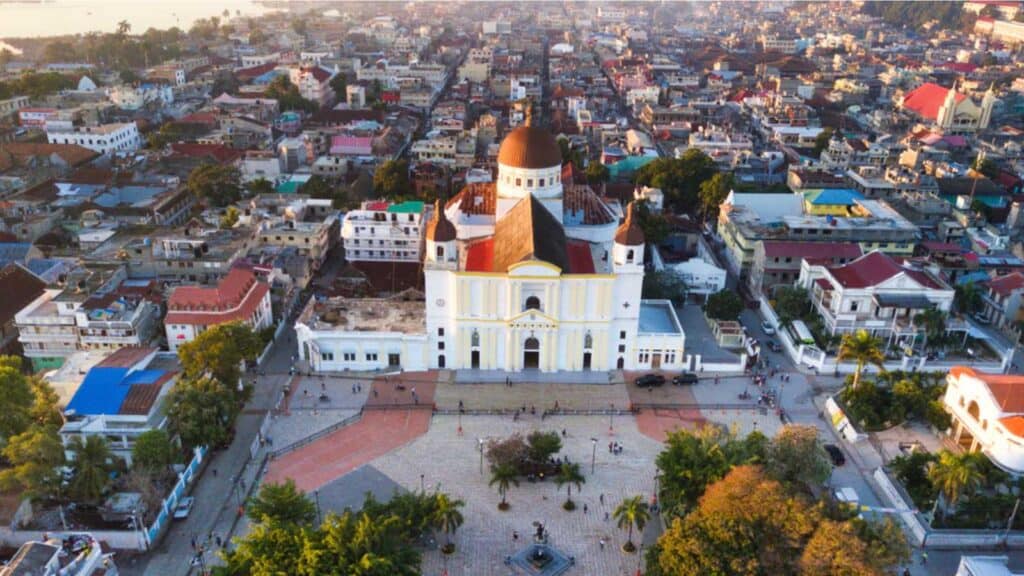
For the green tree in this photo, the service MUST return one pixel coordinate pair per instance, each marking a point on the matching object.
(679, 178)
(59, 51)
(270, 549)
(281, 504)
(821, 141)
(664, 285)
(127, 76)
(33, 458)
(912, 472)
(230, 218)
(986, 166)
(835, 550)
(632, 511)
(317, 187)
(391, 179)
(862, 348)
(504, 476)
(569, 475)
(288, 96)
(45, 411)
(952, 475)
(219, 351)
(93, 463)
(339, 83)
(791, 303)
(201, 411)
(219, 185)
(724, 305)
(713, 192)
(5, 58)
(299, 26)
(448, 518)
(597, 173)
(15, 389)
(543, 445)
(260, 186)
(968, 298)
(154, 452)
(257, 37)
(797, 455)
(512, 451)
(570, 154)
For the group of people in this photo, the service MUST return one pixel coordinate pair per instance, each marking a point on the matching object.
(614, 447)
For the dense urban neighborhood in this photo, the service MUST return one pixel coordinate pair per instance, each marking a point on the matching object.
(465, 288)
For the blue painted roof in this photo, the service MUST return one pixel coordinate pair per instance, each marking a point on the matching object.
(978, 277)
(13, 252)
(105, 388)
(835, 196)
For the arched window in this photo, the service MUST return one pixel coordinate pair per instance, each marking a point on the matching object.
(588, 341)
(629, 256)
(474, 340)
(440, 252)
(973, 410)
(532, 303)
(531, 344)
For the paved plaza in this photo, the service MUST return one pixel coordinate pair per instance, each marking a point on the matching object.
(451, 462)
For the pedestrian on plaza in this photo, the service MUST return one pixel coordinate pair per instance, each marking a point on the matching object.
(214, 472)
(601, 542)
(602, 498)
(374, 392)
(556, 405)
(216, 538)
(606, 516)
(515, 536)
(533, 410)
(924, 557)
(193, 542)
(585, 508)
(610, 444)
(564, 435)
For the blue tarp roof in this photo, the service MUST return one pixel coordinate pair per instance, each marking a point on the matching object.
(834, 196)
(105, 388)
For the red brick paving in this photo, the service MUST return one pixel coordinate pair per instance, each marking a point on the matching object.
(375, 434)
(658, 423)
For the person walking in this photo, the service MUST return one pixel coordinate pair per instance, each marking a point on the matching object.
(585, 508)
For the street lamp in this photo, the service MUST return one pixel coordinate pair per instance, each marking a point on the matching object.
(316, 497)
(480, 445)
(593, 454)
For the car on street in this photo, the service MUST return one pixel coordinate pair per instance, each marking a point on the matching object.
(774, 346)
(650, 380)
(767, 328)
(685, 378)
(835, 454)
(184, 507)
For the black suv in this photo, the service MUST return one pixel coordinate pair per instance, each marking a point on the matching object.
(835, 454)
(650, 380)
(685, 378)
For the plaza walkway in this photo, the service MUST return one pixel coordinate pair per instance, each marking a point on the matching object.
(392, 418)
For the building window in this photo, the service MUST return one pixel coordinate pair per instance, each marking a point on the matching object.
(519, 181)
(440, 332)
(474, 340)
(327, 356)
(371, 356)
(540, 183)
(532, 303)
(622, 334)
(440, 252)
(629, 256)
(529, 182)
(588, 341)
(349, 356)
(440, 345)
(622, 348)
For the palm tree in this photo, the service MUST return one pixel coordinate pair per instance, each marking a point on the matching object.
(955, 474)
(933, 321)
(504, 475)
(863, 348)
(632, 512)
(92, 464)
(448, 518)
(569, 475)
(968, 298)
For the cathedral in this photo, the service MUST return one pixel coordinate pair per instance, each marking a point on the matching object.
(532, 271)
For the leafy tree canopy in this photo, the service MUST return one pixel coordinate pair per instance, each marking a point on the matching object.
(391, 179)
(154, 452)
(282, 504)
(724, 305)
(219, 351)
(219, 185)
(679, 178)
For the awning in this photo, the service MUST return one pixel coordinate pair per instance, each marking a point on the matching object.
(915, 301)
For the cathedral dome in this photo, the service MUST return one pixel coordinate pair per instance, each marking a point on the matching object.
(530, 147)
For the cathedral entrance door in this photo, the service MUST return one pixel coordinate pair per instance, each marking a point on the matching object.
(531, 354)
(655, 361)
(474, 359)
(586, 360)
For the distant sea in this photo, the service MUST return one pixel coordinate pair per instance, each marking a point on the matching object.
(58, 17)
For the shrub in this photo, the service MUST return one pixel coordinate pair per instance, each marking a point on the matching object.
(543, 445)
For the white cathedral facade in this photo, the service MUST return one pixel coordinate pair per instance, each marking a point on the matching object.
(530, 272)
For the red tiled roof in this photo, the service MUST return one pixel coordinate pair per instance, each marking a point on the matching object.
(235, 298)
(477, 199)
(833, 250)
(126, 357)
(825, 283)
(1007, 389)
(580, 200)
(199, 118)
(254, 71)
(581, 261)
(1005, 285)
(19, 287)
(319, 73)
(480, 256)
(1014, 425)
(926, 99)
(219, 152)
(875, 268)
(140, 398)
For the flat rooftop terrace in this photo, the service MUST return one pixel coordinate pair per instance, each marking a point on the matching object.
(395, 314)
(658, 317)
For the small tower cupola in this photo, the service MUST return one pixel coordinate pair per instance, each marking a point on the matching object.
(629, 239)
(441, 236)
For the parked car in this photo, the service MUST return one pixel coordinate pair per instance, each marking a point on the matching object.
(774, 346)
(835, 453)
(685, 378)
(650, 380)
(767, 328)
(184, 507)
(980, 319)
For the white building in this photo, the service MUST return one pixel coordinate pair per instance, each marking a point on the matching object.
(129, 97)
(52, 558)
(105, 138)
(238, 297)
(520, 274)
(984, 565)
(988, 415)
(700, 275)
(314, 83)
(874, 293)
(384, 232)
(260, 164)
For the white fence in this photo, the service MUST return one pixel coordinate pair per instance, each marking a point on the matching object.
(119, 539)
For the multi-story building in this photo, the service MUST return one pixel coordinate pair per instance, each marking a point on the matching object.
(52, 558)
(121, 398)
(11, 106)
(105, 138)
(314, 83)
(1002, 302)
(988, 415)
(129, 97)
(877, 294)
(238, 297)
(384, 232)
(311, 239)
(458, 150)
(777, 262)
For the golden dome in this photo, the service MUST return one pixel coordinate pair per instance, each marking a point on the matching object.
(530, 147)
